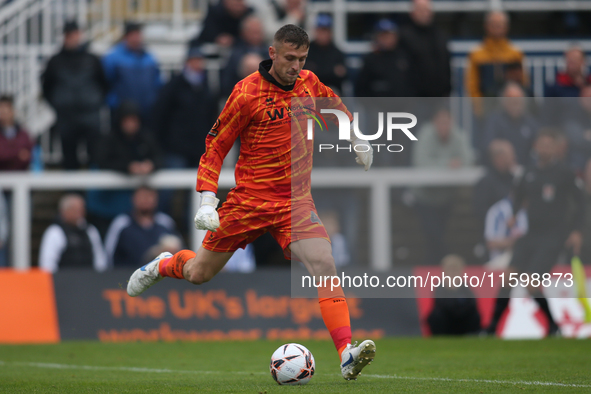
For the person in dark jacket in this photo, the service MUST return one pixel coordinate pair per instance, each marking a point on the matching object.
(75, 86)
(551, 194)
(15, 143)
(184, 113)
(71, 242)
(497, 183)
(252, 40)
(377, 80)
(133, 72)
(429, 56)
(513, 123)
(324, 58)
(132, 235)
(129, 148)
(222, 23)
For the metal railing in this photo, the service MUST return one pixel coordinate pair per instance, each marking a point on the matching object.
(378, 181)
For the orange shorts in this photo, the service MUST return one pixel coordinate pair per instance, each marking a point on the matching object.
(242, 220)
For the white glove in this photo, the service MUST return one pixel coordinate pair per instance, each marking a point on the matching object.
(207, 217)
(364, 152)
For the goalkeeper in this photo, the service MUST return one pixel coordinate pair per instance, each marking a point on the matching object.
(258, 112)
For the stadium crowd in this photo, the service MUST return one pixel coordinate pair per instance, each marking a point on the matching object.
(162, 125)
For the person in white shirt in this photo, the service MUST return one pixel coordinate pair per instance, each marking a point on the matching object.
(71, 242)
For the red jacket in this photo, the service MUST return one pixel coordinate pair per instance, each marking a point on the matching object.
(15, 153)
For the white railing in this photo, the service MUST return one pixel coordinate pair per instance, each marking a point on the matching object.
(378, 181)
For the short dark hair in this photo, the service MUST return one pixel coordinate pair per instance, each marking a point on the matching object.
(292, 34)
(7, 99)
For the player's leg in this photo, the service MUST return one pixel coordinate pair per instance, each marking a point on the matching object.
(316, 255)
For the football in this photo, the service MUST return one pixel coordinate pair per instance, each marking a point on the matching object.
(292, 364)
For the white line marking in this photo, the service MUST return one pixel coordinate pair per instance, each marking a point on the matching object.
(159, 370)
(514, 382)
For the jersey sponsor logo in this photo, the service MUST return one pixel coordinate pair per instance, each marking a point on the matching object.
(214, 130)
(277, 113)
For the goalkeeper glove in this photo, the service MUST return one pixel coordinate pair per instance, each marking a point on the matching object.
(364, 152)
(207, 217)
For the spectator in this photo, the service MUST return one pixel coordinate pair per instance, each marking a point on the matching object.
(427, 45)
(4, 226)
(513, 123)
(586, 248)
(222, 23)
(374, 79)
(340, 251)
(131, 235)
(454, 311)
(184, 113)
(324, 58)
(549, 191)
(577, 126)
(441, 144)
(500, 232)
(75, 85)
(133, 73)
(487, 64)
(497, 183)
(249, 64)
(278, 13)
(15, 144)
(167, 243)
(71, 242)
(129, 148)
(252, 40)
(569, 82)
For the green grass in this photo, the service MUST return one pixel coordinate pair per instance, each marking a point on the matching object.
(445, 365)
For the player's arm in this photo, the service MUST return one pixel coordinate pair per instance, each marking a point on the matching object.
(362, 148)
(234, 118)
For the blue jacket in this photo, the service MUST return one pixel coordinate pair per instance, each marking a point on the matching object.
(132, 76)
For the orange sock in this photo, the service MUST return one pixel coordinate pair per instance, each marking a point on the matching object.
(173, 266)
(335, 314)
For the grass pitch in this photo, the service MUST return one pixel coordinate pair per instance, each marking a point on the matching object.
(417, 365)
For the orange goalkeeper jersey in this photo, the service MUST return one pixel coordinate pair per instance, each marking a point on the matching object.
(272, 158)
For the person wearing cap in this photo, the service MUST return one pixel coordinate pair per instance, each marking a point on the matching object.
(427, 46)
(222, 23)
(74, 84)
(324, 58)
(386, 71)
(133, 72)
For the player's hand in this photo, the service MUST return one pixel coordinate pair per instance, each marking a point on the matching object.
(364, 152)
(207, 217)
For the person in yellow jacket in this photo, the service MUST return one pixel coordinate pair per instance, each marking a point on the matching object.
(494, 62)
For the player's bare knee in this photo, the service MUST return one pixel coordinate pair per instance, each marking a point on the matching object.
(323, 264)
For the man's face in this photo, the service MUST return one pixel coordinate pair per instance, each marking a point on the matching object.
(288, 61)
(575, 60)
(252, 32)
(196, 64)
(504, 159)
(421, 13)
(514, 102)
(236, 8)
(6, 114)
(545, 148)
(130, 125)
(72, 39)
(134, 40)
(497, 25)
(386, 40)
(323, 36)
(74, 212)
(145, 200)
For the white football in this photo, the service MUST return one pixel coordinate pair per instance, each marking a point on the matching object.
(292, 364)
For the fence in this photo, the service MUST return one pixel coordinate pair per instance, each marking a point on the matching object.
(378, 181)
